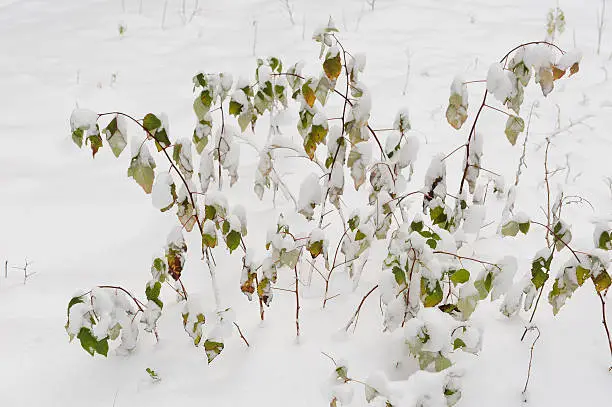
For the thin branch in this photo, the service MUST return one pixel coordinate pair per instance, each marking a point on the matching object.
(355, 316)
(242, 336)
(530, 358)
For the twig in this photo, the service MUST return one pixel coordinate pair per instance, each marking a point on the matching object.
(289, 10)
(355, 316)
(466, 258)
(604, 320)
(297, 302)
(600, 24)
(546, 173)
(531, 358)
(522, 162)
(483, 103)
(242, 336)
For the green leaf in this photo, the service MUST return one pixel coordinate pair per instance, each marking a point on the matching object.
(602, 281)
(416, 226)
(74, 301)
(161, 139)
(77, 137)
(233, 240)
(209, 240)
(114, 331)
(210, 212)
(213, 349)
(142, 173)
(538, 278)
(524, 227)
(442, 363)
(582, 274)
(289, 258)
(514, 126)
(206, 98)
(431, 298)
(151, 122)
(400, 276)
(152, 292)
(315, 248)
(483, 286)
(95, 143)
(459, 276)
(234, 108)
(153, 374)
(353, 222)
(438, 216)
(115, 138)
(458, 343)
(449, 308)
(359, 235)
(510, 229)
(432, 243)
(342, 373)
(91, 344)
(605, 241)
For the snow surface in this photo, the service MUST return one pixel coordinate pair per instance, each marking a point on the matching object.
(82, 223)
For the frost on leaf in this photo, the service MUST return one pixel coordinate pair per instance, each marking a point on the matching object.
(158, 129)
(316, 135)
(163, 193)
(175, 253)
(333, 64)
(116, 134)
(456, 113)
(514, 126)
(142, 168)
(193, 321)
(359, 158)
(212, 349)
(544, 76)
(83, 124)
(562, 234)
(500, 82)
(182, 156)
(310, 196)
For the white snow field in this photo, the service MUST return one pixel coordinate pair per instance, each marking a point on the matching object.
(81, 222)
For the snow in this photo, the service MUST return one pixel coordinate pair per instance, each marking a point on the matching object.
(499, 82)
(161, 193)
(83, 119)
(84, 223)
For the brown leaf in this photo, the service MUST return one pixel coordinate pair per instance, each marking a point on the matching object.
(557, 73)
(574, 69)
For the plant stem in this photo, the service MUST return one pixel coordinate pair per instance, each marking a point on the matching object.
(604, 320)
(355, 316)
(297, 302)
(531, 359)
(242, 336)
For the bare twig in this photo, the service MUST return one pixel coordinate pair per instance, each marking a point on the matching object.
(546, 173)
(289, 10)
(604, 320)
(601, 20)
(297, 302)
(522, 162)
(530, 358)
(355, 316)
(241, 335)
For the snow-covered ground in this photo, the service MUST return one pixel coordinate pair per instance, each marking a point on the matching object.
(82, 223)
